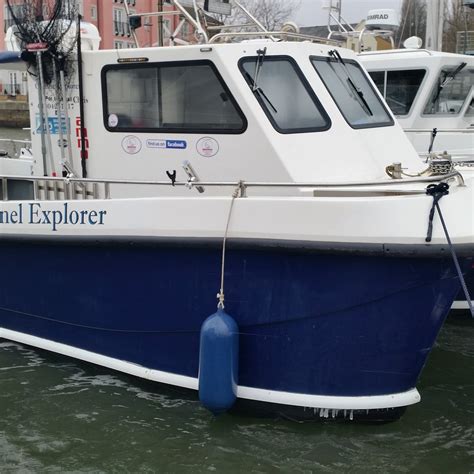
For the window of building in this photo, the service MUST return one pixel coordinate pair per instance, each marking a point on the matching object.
(166, 29)
(69, 7)
(12, 87)
(93, 12)
(185, 31)
(121, 26)
(118, 45)
(188, 96)
(284, 94)
(352, 92)
(399, 88)
(8, 18)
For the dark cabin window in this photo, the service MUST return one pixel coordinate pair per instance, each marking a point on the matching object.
(379, 79)
(352, 92)
(285, 95)
(399, 88)
(174, 97)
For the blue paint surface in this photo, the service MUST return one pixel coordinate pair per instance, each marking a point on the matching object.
(10, 57)
(309, 323)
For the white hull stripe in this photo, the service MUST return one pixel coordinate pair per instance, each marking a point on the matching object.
(268, 396)
(460, 305)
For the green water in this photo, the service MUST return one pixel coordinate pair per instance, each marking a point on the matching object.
(60, 415)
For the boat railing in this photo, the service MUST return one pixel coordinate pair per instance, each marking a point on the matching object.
(273, 35)
(189, 11)
(59, 188)
(396, 51)
(439, 130)
(463, 160)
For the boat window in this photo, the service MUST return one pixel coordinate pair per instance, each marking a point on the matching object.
(379, 79)
(284, 94)
(451, 91)
(352, 92)
(399, 88)
(174, 97)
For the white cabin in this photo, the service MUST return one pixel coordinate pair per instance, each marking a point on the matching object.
(293, 118)
(419, 87)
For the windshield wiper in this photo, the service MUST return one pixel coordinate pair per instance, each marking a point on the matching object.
(358, 93)
(257, 89)
(447, 79)
(361, 97)
(261, 53)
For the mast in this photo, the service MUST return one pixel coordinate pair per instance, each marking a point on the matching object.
(434, 25)
(160, 23)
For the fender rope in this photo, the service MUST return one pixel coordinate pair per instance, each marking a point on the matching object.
(437, 191)
(220, 295)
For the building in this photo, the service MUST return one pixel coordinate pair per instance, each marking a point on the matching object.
(110, 17)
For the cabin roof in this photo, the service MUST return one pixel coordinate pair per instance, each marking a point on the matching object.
(244, 48)
(411, 54)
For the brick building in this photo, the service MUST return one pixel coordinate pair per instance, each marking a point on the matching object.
(110, 17)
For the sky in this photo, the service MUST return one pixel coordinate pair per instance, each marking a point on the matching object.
(311, 12)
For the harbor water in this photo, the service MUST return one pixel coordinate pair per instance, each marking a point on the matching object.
(61, 415)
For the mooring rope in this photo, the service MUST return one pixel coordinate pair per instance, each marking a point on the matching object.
(220, 295)
(437, 191)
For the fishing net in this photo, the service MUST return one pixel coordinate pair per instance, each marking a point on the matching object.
(49, 23)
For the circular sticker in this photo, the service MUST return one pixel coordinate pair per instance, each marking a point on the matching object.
(113, 120)
(207, 146)
(131, 144)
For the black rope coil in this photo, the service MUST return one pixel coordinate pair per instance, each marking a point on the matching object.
(437, 191)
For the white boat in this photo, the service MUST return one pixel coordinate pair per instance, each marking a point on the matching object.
(431, 94)
(428, 90)
(265, 171)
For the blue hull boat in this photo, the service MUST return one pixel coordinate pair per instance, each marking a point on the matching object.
(158, 176)
(310, 323)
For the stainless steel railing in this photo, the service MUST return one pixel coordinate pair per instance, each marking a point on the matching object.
(283, 35)
(66, 190)
(58, 188)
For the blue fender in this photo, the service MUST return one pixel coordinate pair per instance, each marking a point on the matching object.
(218, 362)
